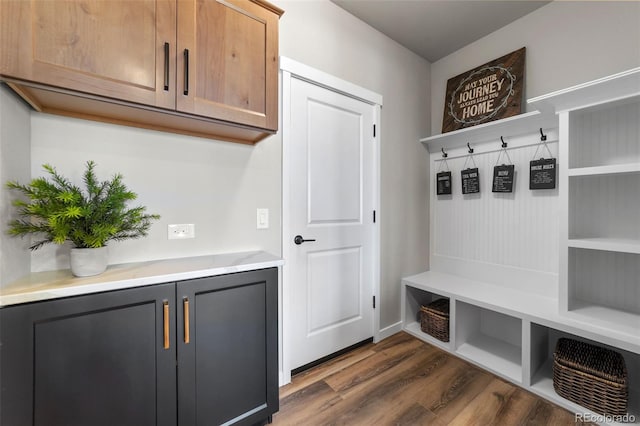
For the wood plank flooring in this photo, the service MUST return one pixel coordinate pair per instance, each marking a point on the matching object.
(404, 381)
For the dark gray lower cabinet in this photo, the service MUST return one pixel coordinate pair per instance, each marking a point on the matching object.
(228, 372)
(198, 352)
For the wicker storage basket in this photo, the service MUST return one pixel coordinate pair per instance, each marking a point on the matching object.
(591, 376)
(434, 319)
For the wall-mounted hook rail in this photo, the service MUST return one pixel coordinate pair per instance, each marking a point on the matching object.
(504, 144)
(470, 149)
(444, 154)
(543, 137)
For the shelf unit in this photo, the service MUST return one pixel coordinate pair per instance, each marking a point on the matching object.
(491, 339)
(599, 127)
(513, 333)
(511, 126)
(414, 299)
(506, 317)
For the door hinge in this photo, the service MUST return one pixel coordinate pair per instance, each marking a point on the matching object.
(374, 216)
(374, 302)
(374, 130)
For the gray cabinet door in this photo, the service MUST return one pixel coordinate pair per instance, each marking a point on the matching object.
(90, 360)
(228, 369)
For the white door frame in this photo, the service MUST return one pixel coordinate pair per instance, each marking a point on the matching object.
(293, 69)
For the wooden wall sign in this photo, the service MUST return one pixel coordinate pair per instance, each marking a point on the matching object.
(489, 92)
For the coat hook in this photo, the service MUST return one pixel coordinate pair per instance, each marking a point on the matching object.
(470, 149)
(444, 154)
(543, 137)
(504, 144)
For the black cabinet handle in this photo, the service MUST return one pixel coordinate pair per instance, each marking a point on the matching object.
(166, 66)
(299, 240)
(186, 72)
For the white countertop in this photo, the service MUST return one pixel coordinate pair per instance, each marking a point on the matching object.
(56, 284)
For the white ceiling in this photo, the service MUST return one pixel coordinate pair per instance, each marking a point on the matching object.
(435, 28)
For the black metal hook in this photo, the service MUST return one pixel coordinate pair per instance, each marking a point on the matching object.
(444, 154)
(504, 144)
(470, 149)
(543, 137)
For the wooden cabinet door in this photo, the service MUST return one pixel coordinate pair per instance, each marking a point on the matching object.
(228, 61)
(228, 367)
(112, 48)
(89, 360)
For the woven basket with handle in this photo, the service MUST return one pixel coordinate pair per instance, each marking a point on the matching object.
(591, 376)
(434, 319)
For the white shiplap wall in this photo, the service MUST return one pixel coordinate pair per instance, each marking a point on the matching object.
(518, 229)
(605, 135)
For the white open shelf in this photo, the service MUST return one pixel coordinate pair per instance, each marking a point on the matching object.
(606, 139)
(622, 245)
(604, 206)
(511, 126)
(605, 285)
(617, 87)
(490, 339)
(605, 317)
(413, 300)
(605, 170)
(500, 357)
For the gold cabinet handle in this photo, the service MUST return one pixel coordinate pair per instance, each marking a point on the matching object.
(165, 314)
(185, 304)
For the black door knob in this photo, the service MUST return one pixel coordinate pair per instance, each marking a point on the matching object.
(299, 240)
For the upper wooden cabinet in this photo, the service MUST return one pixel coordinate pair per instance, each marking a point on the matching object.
(113, 49)
(228, 61)
(202, 67)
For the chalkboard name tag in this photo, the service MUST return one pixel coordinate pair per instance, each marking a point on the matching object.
(503, 178)
(470, 181)
(443, 183)
(542, 173)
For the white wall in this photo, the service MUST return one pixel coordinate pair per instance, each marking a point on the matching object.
(14, 165)
(324, 36)
(568, 43)
(215, 185)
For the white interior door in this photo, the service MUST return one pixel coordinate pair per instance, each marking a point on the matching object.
(331, 170)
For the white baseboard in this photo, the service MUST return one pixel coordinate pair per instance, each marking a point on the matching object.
(282, 380)
(389, 331)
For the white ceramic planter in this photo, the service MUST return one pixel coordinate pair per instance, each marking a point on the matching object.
(86, 262)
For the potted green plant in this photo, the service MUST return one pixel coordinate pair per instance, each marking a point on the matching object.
(60, 211)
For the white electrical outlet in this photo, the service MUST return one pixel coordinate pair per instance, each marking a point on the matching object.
(262, 220)
(181, 231)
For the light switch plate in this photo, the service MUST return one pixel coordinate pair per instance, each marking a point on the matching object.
(262, 219)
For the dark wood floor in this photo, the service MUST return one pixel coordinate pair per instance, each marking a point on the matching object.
(404, 381)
